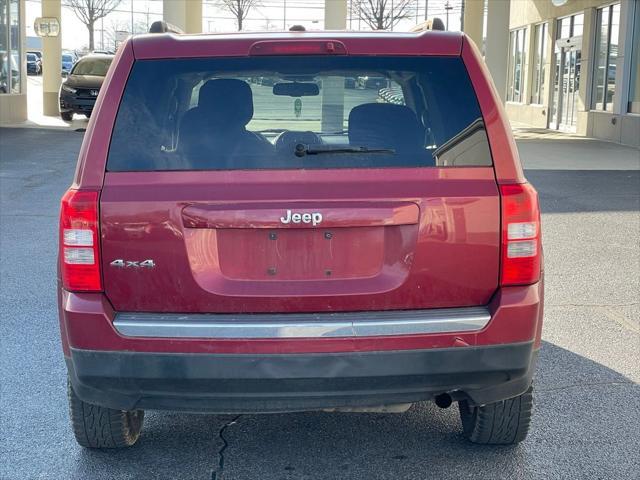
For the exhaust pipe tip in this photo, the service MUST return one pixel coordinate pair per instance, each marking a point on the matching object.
(443, 400)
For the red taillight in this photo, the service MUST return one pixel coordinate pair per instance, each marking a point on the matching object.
(79, 241)
(521, 238)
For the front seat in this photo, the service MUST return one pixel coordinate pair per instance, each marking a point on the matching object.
(213, 134)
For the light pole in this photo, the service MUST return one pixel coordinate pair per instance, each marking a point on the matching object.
(447, 7)
(284, 19)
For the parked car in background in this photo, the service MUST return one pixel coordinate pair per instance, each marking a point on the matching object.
(37, 53)
(68, 59)
(295, 245)
(375, 83)
(34, 64)
(79, 91)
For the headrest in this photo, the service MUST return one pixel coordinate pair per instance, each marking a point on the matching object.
(226, 102)
(385, 125)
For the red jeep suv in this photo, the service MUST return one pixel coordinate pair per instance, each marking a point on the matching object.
(251, 229)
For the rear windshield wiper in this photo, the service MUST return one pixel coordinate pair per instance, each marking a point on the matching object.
(302, 150)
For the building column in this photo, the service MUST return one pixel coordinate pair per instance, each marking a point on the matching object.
(497, 43)
(335, 14)
(549, 80)
(51, 61)
(335, 18)
(184, 14)
(474, 20)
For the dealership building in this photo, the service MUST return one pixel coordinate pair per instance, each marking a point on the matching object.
(575, 67)
(567, 65)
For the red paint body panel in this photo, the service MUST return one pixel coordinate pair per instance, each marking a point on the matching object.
(450, 258)
(240, 44)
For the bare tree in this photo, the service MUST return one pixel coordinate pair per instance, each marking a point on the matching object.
(383, 14)
(90, 11)
(239, 8)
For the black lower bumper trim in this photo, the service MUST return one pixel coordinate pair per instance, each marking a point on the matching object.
(250, 383)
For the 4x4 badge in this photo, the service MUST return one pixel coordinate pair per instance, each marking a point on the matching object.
(133, 263)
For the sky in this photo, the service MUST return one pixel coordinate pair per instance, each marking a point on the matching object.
(268, 15)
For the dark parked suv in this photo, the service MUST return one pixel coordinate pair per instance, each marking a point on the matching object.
(79, 92)
(230, 246)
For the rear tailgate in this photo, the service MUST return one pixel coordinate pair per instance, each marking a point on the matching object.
(206, 206)
(410, 238)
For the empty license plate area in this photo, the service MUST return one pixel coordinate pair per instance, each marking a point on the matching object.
(302, 254)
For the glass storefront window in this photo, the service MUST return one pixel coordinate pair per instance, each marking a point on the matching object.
(516, 65)
(606, 57)
(564, 27)
(578, 25)
(10, 52)
(634, 84)
(572, 26)
(540, 60)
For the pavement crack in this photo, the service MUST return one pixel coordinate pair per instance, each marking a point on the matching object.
(219, 472)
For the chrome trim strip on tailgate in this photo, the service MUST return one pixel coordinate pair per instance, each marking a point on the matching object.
(302, 325)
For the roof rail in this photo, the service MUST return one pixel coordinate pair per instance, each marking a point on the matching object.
(160, 26)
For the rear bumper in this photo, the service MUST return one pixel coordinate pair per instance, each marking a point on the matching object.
(112, 366)
(224, 383)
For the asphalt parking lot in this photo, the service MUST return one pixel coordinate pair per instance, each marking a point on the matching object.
(587, 410)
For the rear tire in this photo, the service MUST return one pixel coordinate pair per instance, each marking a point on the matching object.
(66, 116)
(500, 423)
(100, 427)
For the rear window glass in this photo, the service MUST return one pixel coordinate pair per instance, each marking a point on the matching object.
(92, 66)
(298, 113)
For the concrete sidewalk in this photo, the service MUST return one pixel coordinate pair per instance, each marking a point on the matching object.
(554, 151)
(36, 119)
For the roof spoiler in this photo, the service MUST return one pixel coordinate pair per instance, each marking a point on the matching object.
(160, 26)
